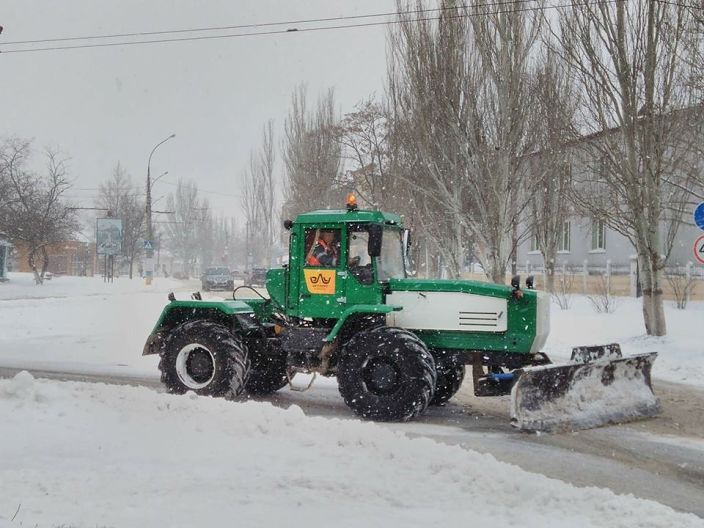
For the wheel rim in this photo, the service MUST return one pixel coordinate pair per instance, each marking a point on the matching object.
(381, 376)
(195, 366)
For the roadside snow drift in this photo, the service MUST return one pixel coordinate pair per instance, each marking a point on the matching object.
(78, 454)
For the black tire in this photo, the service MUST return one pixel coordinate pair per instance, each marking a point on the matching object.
(386, 374)
(450, 371)
(206, 358)
(267, 372)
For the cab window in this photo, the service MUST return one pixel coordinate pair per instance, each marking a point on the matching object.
(322, 248)
(359, 262)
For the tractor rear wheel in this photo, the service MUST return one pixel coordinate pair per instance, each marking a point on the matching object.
(268, 368)
(206, 358)
(450, 371)
(386, 374)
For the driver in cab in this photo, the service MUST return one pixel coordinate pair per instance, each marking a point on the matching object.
(325, 251)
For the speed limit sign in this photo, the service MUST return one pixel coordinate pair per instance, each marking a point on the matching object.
(699, 249)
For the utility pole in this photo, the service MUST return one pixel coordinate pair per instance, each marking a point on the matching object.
(149, 263)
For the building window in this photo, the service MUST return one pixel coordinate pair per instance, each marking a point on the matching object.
(598, 235)
(564, 242)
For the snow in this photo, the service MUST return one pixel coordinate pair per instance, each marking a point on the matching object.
(680, 354)
(80, 454)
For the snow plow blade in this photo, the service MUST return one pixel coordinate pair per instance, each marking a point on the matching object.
(584, 395)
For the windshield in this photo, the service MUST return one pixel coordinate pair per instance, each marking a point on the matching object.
(391, 262)
(217, 271)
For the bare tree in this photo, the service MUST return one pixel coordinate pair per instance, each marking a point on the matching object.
(460, 90)
(554, 106)
(183, 229)
(33, 210)
(364, 135)
(123, 199)
(311, 153)
(624, 56)
(259, 198)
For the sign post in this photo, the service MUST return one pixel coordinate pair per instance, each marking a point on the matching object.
(699, 216)
(108, 242)
(699, 249)
(699, 242)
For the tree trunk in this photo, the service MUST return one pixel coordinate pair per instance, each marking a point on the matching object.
(131, 265)
(32, 261)
(495, 269)
(653, 307)
(550, 274)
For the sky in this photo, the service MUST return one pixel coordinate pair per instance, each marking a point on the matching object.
(104, 105)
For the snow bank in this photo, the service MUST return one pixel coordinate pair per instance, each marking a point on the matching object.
(680, 352)
(81, 324)
(93, 455)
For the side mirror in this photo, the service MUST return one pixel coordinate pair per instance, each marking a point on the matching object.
(516, 285)
(288, 224)
(374, 245)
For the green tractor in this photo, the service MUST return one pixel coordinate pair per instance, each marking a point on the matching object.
(345, 306)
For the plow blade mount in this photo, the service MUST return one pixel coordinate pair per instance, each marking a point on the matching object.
(580, 396)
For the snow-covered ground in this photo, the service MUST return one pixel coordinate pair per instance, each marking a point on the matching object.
(681, 354)
(77, 454)
(85, 325)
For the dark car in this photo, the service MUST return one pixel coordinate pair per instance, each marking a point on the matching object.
(256, 277)
(217, 279)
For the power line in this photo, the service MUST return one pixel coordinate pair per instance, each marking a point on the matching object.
(229, 195)
(262, 24)
(304, 30)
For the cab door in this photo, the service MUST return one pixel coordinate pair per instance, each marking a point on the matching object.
(361, 277)
(322, 276)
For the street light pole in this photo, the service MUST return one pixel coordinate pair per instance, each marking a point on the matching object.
(149, 271)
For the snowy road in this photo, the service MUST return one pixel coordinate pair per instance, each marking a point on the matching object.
(659, 459)
(83, 330)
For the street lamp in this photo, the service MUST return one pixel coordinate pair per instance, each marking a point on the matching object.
(149, 264)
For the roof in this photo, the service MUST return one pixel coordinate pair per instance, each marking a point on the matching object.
(336, 216)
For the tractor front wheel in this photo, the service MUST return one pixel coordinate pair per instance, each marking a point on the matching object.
(450, 371)
(206, 358)
(386, 374)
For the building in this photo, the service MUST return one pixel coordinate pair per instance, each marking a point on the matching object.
(70, 257)
(588, 244)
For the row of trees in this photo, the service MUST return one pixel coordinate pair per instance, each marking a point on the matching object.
(499, 123)
(189, 232)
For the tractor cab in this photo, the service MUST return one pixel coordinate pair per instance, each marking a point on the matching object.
(338, 259)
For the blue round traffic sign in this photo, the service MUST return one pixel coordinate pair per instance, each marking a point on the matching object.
(699, 216)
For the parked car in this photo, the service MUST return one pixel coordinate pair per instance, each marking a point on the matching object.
(256, 277)
(217, 279)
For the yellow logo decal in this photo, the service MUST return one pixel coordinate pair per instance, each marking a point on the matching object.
(320, 282)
